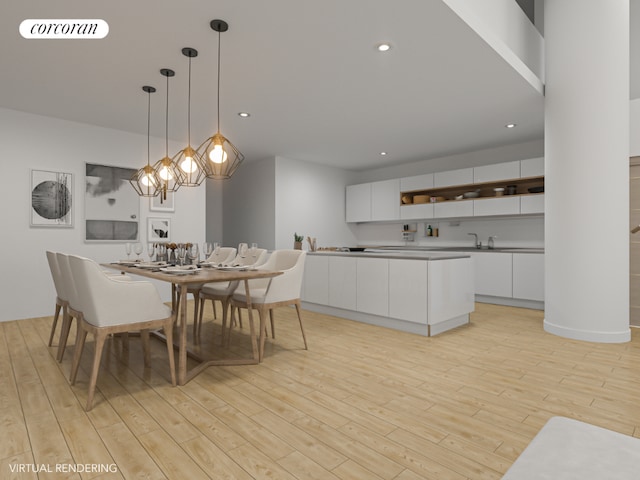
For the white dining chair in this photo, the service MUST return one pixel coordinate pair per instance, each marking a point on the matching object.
(268, 294)
(111, 305)
(62, 301)
(222, 291)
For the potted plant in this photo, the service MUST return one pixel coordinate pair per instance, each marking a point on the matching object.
(297, 241)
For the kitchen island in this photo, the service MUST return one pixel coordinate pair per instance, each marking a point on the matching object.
(418, 292)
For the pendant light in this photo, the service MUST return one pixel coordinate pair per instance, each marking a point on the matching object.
(146, 181)
(220, 157)
(188, 159)
(169, 172)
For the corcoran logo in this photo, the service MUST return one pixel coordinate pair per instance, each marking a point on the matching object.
(64, 28)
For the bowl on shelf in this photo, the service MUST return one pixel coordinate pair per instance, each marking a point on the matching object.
(406, 199)
(536, 189)
(437, 199)
(420, 198)
(498, 191)
(511, 190)
(474, 194)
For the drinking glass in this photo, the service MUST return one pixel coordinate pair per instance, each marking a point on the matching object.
(242, 250)
(138, 249)
(194, 253)
(127, 248)
(151, 250)
(207, 249)
(182, 253)
(216, 248)
(254, 251)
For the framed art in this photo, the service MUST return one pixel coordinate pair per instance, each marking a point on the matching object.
(161, 204)
(158, 229)
(111, 205)
(51, 199)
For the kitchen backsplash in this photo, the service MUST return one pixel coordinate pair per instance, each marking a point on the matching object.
(507, 232)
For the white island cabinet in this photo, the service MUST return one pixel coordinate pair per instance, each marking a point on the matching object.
(416, 292)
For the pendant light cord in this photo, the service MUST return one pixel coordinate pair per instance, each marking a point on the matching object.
(219, 41)
(166, 123)
(149, 129)
(189, 107)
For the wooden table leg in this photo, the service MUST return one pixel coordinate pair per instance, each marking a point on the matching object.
(254, 342)
(182, 350)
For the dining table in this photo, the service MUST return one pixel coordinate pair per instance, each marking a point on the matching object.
(181, 279)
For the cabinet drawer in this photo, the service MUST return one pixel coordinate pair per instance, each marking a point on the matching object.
(416, 212)
(532, 204)
(499, 171)
(496, 206)
(463, 208)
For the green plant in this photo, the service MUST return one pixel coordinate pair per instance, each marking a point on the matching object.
(297, 238)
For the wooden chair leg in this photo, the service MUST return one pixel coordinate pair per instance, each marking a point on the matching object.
(100, 338)
(196, 305)
(55, 322)
(232, 322)
(304, 337)
(80, 338)
(225, 307)
(64, 335)
(213, 306)
(273, 327)
(201, 300)
(144, 336)
(168, 332)
(263, 331)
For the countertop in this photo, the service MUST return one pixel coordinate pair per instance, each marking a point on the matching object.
(405, 254)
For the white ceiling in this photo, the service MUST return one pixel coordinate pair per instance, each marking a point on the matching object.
(307, 72)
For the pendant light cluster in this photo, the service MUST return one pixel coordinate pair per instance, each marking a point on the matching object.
(215, 158)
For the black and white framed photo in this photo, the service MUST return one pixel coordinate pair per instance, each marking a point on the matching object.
(51, 199)
(161, 204)
(158, 229)
(111, 205)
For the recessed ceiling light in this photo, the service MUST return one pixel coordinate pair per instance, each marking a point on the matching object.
(383, 153)
(244, 114)
(383, 47)
(510, 125)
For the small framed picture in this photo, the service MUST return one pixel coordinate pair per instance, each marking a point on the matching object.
(161, 204)
(51, 199)
(158, 229)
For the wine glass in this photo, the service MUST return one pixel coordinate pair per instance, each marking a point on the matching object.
(242, 250)
(127, 248)
(253, 251)
(194, 253)
(151, 250)
(162, 251)
(182, 253)
(207, 249)
(137, 249)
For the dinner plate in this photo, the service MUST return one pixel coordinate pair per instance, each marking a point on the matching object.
(151, 264)
(179, 270)
(234, 268)
(126, 262)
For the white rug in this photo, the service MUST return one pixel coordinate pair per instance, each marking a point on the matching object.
(567, 449)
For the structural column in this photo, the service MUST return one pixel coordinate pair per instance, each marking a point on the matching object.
(587, 169)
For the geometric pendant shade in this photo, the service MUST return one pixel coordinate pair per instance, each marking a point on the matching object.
(189, 162)
(146, 181)
(169, 172)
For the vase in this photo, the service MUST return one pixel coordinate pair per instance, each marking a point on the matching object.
(297, 245)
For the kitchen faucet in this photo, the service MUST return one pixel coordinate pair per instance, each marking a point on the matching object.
(478, 244)
(490, 242)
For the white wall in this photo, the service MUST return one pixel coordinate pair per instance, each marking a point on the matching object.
(310, 201)
(634, 127)
(249, 205)
(215, 210)
(36, 142)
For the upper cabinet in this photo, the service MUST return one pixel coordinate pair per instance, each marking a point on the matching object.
(509, 188)
(453, 177)
(385, 200)
(499, 171)
(532, 167)
(358, 208)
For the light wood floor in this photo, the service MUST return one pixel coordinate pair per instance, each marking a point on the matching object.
(362, 403)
